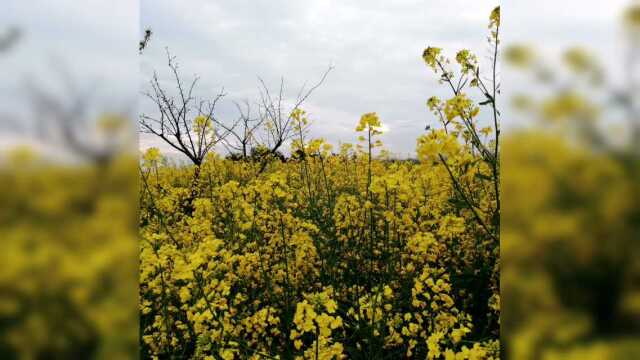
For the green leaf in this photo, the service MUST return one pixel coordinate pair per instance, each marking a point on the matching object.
(484, 177)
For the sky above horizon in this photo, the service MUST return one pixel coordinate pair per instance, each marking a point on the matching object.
(375, 48)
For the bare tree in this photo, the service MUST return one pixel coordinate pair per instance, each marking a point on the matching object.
(67, 121)
(272, 126)
(187, 125)
(277, 116)
(242, 139)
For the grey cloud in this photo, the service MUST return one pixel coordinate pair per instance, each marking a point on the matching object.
(375, 47)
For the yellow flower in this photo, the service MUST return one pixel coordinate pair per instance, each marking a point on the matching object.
(433, 103)
(430, 56)
(151, 156)
(388, 293)
(227, 354)
(460, 106)
(436, 143)
(494, 18)
(370, 122)
(331, 306)
(467, 61)
(336, 322)
(202, 124)
(185, 295)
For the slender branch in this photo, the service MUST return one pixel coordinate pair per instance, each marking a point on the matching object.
(471, 207)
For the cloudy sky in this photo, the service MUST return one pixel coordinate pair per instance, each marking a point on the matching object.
(374, 46)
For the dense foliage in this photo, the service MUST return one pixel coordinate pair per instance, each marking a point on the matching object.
(312, 256)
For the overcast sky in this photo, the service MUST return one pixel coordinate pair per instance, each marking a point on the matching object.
(374, 46)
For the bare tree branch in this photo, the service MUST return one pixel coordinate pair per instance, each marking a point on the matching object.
(187, 125)
(278, 122)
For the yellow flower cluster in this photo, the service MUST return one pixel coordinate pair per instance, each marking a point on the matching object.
(460, 106)
(324, 255)
(468, 61)
(288, 262)
(431, 56)
(314, 316)
(151, 156)
(202, 125)
(437, 142)
(494, 17)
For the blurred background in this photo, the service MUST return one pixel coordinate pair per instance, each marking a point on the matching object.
(68, 172)
(570, 274)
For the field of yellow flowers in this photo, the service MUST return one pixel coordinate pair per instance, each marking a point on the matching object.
(332, 254)
(330, 257)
